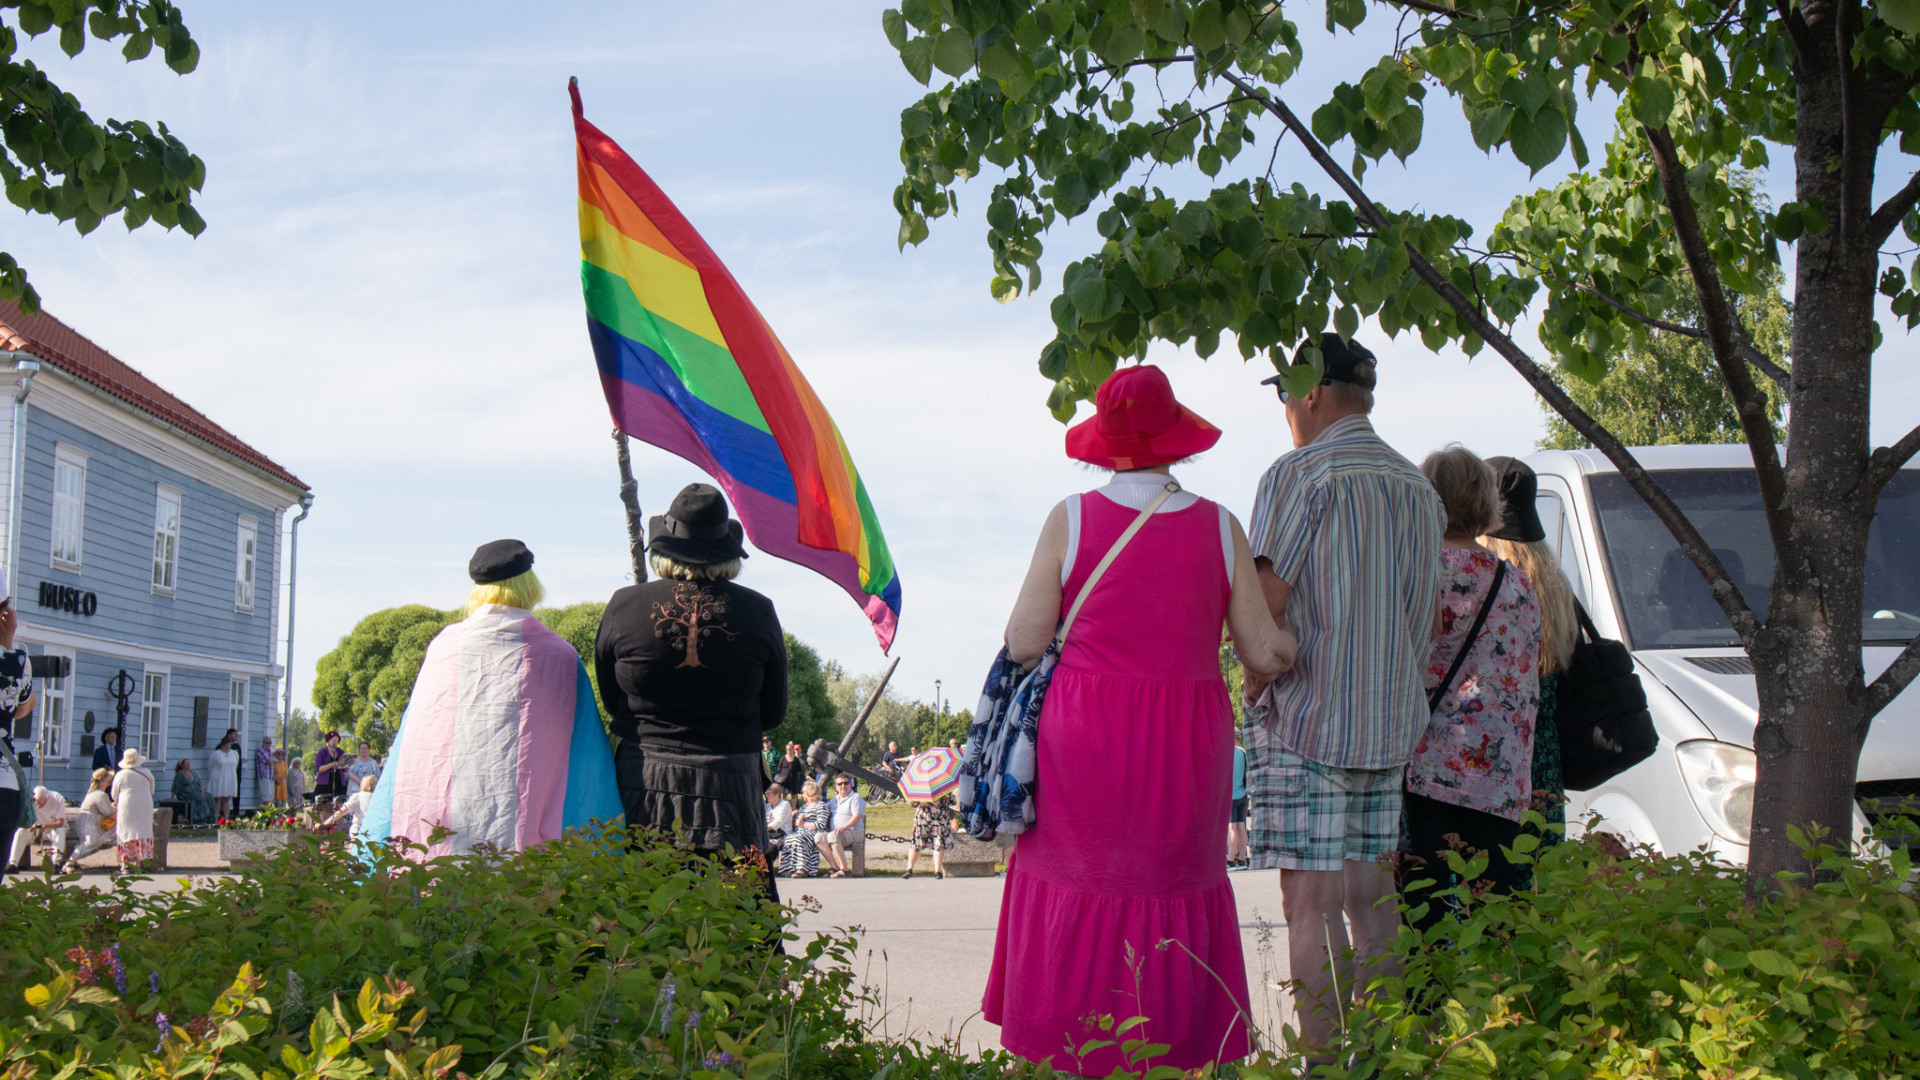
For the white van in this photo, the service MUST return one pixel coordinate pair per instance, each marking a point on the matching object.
(1697, 788)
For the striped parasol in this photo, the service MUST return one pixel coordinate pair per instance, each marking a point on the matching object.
(931, 774)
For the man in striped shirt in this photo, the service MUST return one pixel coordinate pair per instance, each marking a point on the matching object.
(1346, 538)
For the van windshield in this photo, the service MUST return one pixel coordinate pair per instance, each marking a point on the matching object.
(1666, 602)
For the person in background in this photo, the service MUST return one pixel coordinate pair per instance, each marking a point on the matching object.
(355, 807)
(1522, 541)
(890, 760)
(501, 745)
(1471, 776)
(1237, 814)
(17, 699)
(793, 769)
(186, 788)
(932, 831)
(779, 821)
(49, 828)
(849, 825)
(1346, 538)
(693, 670)
(280, 771)
(223, 775)
(768, 755)
(133, 790)
(1137, 706)
(800, 853)
(363, 765)
(296, 784)
(96, 821)
(263, 778)
(107, 754)
(330, 767)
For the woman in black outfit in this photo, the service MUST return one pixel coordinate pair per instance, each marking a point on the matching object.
(693, 668)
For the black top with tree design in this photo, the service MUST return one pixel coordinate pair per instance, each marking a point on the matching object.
(692, 665)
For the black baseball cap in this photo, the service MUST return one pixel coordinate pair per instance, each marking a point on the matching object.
(1343, 361)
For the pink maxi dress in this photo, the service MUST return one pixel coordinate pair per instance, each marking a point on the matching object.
(1135, 757)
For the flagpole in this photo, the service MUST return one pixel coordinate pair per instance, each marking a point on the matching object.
(630, 497)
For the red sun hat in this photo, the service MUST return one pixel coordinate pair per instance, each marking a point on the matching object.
(1137, 424)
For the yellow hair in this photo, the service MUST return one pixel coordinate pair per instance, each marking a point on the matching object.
(523, 591)
(671, 569)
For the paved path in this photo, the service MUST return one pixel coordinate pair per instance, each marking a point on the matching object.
(926, 945)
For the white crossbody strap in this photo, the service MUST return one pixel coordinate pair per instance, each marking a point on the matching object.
(1166, 492)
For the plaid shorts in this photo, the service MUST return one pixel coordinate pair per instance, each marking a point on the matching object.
(1308, 816)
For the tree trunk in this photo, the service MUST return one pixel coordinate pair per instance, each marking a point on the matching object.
(1807, 659)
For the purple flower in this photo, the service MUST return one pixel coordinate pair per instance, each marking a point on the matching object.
(153, 982)
(119, 970)
(667, 990)
(693, 1019)
(714, 1061)
(160, 1021)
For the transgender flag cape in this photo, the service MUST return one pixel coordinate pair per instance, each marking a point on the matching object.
(501, 743)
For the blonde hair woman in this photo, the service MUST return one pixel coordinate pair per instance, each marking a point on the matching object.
(1471, 775)
(1522, 541)
(800, 853)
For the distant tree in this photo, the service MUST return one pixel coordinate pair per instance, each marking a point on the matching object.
(810, 711)
(1669, 391)
(303, 737)
(362, 686)
(57, 161)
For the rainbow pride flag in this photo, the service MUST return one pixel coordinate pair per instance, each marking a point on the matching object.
(689, 365)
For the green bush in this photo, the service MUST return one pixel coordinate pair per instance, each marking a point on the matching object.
(1656, 967)
(644, 960)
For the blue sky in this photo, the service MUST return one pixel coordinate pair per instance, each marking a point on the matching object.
(386, 299)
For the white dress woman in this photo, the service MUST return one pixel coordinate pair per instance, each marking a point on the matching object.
(133, 811)
(223, 778)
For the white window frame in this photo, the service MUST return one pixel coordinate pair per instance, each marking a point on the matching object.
(153, 741)
(166, 540)
(246, 561)
(238, 687)
(49, 726)
(74, 459)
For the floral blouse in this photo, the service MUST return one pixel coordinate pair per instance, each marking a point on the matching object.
(1477, 751)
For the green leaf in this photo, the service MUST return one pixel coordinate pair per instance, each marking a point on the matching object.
(1651, 100)
(894, 25)
(953, 52)
(1902, 15)
(1094, 297)
(1347, 13)
(39, 996)
(917, 57)
(1538, 140)
(1207, 26)
(1489, 124)
(1772, 963)
(1346, 322)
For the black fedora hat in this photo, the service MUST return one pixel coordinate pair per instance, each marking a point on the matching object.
(1519, 489)
(696, 529)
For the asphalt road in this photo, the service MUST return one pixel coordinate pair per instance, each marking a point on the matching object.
(926, 946)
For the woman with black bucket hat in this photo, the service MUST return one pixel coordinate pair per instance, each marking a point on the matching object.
(1522, 541)
(693, 668)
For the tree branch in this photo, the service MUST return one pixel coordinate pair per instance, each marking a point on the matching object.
(1882, 691)
(1724, 336)
(1702, 555)
(1888, 460)
(1887, 218)
(1747, 348)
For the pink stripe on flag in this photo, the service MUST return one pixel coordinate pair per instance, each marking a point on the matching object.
(424, 776)
(548, 695)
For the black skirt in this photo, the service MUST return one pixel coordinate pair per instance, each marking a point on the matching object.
(713, 800)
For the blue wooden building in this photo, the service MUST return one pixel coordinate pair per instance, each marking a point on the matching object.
(141, 537)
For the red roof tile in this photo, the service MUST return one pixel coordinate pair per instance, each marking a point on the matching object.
(56, 343)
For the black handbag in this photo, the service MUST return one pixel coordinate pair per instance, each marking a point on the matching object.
(1600, 711)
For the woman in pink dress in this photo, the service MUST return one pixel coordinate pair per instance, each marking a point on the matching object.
(1142, 924)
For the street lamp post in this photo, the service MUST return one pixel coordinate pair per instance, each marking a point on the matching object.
(939, 706)
(121, 686)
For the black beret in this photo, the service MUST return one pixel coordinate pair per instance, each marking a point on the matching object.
(498, 561)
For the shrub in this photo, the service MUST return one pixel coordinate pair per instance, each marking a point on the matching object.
(648, 959)
(1657, 967)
